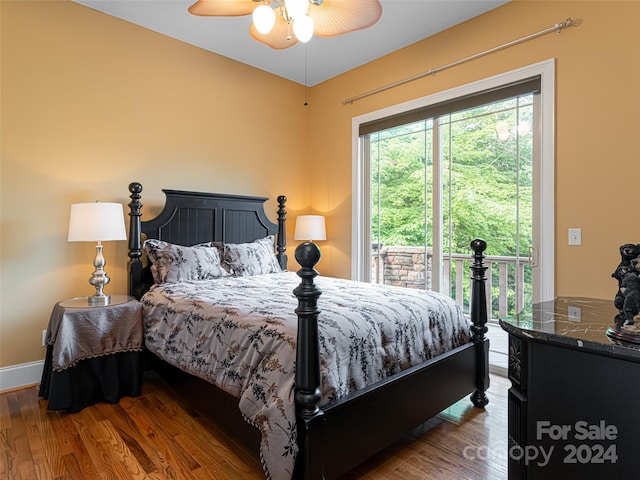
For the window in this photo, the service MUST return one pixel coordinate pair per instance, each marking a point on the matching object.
(431, 178)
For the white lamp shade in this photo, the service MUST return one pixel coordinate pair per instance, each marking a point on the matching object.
(264, 18)
(310, 227)
(96, 221)
(303, 28)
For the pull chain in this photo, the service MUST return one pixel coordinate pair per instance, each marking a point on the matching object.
(306, 85)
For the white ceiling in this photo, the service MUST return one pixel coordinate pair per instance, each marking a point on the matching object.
(403, 22)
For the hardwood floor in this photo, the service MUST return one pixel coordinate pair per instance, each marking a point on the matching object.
(158, 435)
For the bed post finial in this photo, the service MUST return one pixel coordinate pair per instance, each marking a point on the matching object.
(479, 322)
(282, 232)
(307, 390)
(307, 387)
(135, 246)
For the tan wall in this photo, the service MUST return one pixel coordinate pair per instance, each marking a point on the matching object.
(91, 103)
(597, 120)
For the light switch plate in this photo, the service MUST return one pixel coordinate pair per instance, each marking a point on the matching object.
(575, 236)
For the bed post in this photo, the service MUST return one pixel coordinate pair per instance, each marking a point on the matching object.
(479, 321)
(307, 383)
(282, 232)
(135, 246)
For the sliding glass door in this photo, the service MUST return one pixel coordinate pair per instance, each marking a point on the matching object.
(465, 169)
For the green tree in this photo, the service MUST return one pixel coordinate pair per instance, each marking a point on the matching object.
(487, 179)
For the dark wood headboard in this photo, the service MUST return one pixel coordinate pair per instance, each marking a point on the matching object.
(189, 218)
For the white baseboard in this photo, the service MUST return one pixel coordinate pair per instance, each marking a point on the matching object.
(20, 375)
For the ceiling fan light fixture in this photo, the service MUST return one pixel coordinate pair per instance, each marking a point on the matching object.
(296, 8)
(324, 18)
(279, 38)
(264, 18)
(303, 28)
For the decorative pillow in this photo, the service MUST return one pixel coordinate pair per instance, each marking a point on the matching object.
(150, 247)
(255, 258)
(176, 263)
(220, 247)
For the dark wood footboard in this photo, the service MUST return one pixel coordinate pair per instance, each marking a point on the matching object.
(335, 438)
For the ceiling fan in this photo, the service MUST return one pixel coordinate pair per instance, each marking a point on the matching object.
(290, 21)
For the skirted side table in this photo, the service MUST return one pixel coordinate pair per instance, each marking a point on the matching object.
(94, 353)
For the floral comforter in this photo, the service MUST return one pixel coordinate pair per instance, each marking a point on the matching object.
(240, 334)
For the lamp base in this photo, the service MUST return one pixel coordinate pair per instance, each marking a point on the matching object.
(99, 300)
(99, 279)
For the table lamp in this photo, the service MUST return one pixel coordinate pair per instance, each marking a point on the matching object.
(97, 222)
(310, 228)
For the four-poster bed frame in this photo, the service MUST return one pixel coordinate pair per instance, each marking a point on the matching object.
(335, 437)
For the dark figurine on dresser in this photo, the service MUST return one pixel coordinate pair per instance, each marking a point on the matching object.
(627, 300)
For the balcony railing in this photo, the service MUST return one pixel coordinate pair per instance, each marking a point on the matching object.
(507, 291)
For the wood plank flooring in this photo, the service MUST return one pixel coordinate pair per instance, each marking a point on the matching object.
(159, 435)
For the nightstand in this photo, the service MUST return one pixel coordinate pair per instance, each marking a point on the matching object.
(94, 353)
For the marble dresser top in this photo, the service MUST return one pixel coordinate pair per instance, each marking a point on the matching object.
(574, 322)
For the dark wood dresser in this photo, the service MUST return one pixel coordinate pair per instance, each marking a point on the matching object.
(574, 403)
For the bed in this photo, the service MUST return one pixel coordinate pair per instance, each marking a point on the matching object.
(336, 422)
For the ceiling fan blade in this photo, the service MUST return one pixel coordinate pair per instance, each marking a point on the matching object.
(279, 38)
(336, 17)
(222, 8)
